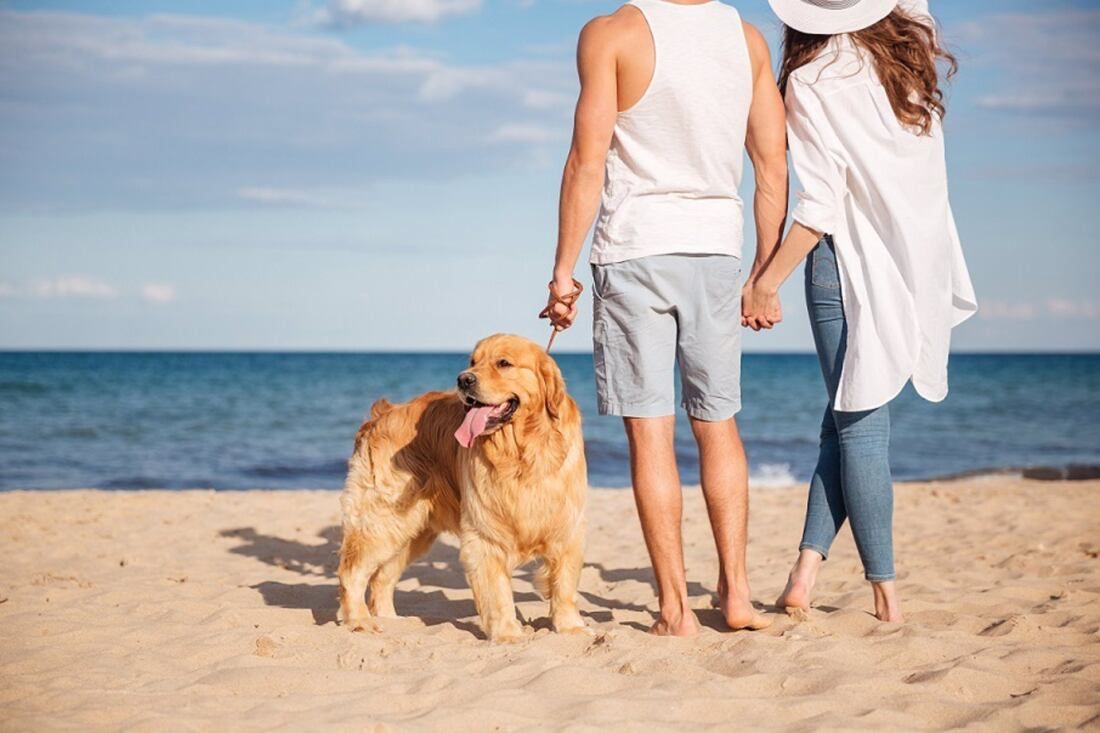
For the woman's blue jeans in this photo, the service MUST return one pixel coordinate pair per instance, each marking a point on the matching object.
(852, 479)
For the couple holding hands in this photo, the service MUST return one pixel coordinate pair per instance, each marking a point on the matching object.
(672, 93)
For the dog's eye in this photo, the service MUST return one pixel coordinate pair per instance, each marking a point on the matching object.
(472, 362)
(503, 364)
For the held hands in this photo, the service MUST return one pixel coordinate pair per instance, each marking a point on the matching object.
(760, 307)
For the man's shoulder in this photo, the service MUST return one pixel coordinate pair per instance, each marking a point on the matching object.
(757, 45)
(753, 36)
(627, 20)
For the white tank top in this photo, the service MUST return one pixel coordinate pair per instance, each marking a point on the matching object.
(676, 158)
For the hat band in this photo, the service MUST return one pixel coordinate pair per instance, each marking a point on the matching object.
(833, 4)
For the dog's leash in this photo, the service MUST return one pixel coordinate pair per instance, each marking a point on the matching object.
(568, 300)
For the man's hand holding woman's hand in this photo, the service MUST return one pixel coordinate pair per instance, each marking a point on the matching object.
(760, 306)
(760, 298)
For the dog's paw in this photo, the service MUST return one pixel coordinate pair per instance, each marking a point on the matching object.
(572, 624)
(508, 639)
(508, 634)
(581, 630)
(366, 624)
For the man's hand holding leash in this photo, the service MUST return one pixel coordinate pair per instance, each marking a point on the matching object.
(561, 306)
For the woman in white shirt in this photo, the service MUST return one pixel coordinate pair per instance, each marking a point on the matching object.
(885, 276)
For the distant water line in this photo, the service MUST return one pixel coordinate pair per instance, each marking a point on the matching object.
(272, 420)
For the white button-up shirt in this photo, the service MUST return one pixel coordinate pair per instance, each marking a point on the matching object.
(880, 189)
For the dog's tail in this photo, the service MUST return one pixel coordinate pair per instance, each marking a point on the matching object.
(380, 408)
(377, 410)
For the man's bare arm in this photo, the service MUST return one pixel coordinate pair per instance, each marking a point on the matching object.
(582, 180)
(767, 147)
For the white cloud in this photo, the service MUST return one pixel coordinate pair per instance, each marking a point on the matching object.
(281, 196)
(1049, 61)
(321, 197)
(55, 38)
(1068, 100)
(994, 309)
(1054, 307)
(71, 286)
(354, 12)
(527, 133)
(84, 287)
(1072, 309)
(546, 99)
(215, 105)
(158, 292)
(445, 83)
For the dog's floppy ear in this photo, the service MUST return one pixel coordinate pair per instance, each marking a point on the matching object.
(552, 385)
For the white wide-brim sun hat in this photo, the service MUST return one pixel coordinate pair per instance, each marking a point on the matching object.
(830, 17)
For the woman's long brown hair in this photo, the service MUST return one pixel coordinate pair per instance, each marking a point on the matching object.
(906, 53)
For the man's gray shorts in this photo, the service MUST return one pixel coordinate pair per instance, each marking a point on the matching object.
(652, 312)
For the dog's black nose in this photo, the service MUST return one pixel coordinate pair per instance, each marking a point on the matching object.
(466, 380)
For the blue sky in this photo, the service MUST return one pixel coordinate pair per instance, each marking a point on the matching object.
(382, 174)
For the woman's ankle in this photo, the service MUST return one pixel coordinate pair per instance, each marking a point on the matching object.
(887, 602)
(808, 563)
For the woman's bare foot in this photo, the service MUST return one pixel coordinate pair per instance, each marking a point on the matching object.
(676, 623)
(800, 583)
(737, 609)
(887, 605)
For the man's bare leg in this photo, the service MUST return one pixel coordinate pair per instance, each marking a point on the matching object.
(725, 476)
(660, 502)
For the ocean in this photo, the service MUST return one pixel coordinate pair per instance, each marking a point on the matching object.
(130, 420)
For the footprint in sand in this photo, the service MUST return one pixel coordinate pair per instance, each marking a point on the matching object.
(798, 614)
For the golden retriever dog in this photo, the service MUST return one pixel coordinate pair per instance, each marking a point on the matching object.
(499, 462)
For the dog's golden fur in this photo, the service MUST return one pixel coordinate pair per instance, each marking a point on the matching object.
(516, 494)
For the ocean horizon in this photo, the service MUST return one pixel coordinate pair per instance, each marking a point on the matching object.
(465, 353)
(264, 419)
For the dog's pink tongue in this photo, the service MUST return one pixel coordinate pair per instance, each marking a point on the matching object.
(473, 425)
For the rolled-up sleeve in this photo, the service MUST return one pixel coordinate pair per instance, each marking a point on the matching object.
(820, 172)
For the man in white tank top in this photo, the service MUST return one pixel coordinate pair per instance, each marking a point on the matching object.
(672, 93)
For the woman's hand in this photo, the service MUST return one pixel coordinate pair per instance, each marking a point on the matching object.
(760, 307)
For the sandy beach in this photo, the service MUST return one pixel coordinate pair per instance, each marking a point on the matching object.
(196, 610)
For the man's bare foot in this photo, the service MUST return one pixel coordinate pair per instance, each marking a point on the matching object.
(682, 623)
(887, 605)
(800, 582)
(737, 610)
(741, 616)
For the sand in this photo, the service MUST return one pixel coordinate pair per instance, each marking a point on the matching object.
(199, 610)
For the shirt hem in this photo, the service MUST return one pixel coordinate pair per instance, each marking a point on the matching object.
(620, 254)
(934, 394)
